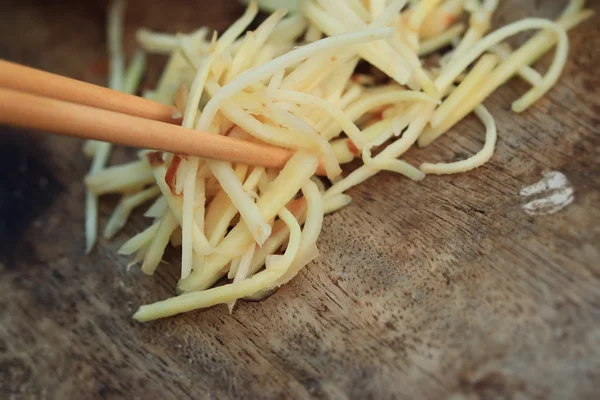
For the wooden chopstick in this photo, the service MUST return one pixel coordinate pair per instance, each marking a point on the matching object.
(30, 98)
(30, 80)
(36, 112)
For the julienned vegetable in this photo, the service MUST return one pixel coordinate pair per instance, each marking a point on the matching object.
(293, 82)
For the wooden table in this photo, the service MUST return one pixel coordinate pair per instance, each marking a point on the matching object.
(423, 290)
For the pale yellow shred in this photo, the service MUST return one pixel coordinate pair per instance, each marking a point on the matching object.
(122, 178)
(166, 227)
(127, 204)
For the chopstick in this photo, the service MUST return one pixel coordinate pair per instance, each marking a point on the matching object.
(41, 113)
(69, 107)
(30, 80)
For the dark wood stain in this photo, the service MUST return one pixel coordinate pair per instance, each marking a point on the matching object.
(27, 189)
(423, 290)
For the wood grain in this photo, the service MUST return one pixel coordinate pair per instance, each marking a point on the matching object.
(423, 290)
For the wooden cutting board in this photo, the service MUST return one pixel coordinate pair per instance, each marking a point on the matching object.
(423, 290)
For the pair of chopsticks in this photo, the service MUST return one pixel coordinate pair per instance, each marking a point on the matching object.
(30, 98)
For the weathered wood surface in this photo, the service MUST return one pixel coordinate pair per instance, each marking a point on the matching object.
(423, 290)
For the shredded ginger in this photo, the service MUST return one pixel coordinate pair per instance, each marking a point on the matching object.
(292, 82)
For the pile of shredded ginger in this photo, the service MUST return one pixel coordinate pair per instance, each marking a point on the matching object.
(293, 82)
